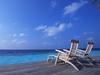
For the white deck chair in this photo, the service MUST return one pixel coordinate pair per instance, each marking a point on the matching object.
(73, 47)
(85, 53)
(67, 56)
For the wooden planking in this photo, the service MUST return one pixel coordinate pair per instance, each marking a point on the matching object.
(44, 68)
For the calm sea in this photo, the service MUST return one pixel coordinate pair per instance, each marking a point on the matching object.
(23, 56)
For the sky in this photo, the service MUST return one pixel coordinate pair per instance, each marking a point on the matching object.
(48, 24)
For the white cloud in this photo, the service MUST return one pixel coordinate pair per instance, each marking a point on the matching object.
(76, 18)
(3, 41)
(53, 3)
(90, 38)
(21, 42)
(45, 43)
(14, 40)
(73, 7)
(77, 37)
(41, 27)
(87, 33)
(14, 35)
(17, 38)
(69, 25)
(17, 35)
(21, 34)
(18, 41)
(51, 30)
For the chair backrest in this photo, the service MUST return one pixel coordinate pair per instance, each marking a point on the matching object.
(74, 47)
(89, 47)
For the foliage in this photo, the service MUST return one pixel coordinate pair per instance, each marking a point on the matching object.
(97, 3)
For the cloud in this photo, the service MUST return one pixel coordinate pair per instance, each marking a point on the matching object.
(3, 41)
(51, 30)
(17, 35)
(21, 42)
(77, 37)
(21, 34)
(14, 40)
(69, 25)
(90, 38)
(87, 33)
(45, 43)
(17, 38)
(14, 35)
(41, 27)
(53, 3)
(18, 41)
(73, 7)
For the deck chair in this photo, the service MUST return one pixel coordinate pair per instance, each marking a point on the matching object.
(85, 54)
(73, 48)
(68, 57)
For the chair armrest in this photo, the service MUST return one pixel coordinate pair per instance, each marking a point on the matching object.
(80, 51)
(59, 51)
(66, 50)
(52, 56)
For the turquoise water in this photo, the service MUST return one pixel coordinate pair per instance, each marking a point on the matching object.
(30, 57)
(4, 60)
(95, 53)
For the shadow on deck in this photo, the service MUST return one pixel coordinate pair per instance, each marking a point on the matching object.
(44, 68)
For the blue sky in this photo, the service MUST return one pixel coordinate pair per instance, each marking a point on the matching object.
(48, 24)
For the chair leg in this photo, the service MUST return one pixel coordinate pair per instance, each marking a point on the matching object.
(79, 62)
(48, 59)
(56, 61)
(91, 60)
(72, 65)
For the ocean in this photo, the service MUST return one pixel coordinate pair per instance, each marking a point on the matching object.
(24, 56)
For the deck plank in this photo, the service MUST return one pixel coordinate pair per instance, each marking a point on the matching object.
(45, 68)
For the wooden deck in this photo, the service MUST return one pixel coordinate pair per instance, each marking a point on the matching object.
(44, 68)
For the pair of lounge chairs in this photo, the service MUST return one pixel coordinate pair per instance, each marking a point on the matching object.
(73, 55)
